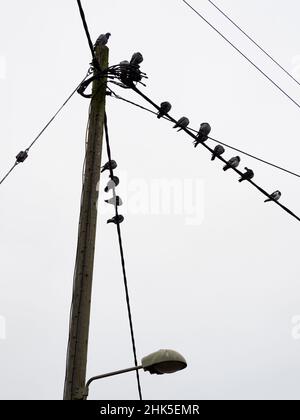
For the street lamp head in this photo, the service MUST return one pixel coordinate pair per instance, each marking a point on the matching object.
(164, 361)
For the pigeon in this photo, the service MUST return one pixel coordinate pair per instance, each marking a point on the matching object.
(102, 39)
(124, 67)
(218, 151)
(115, 201)
(136, 59)
(112, 183)
(249, 174)
(109, 166)
(124, 64)
(22, 156)
(203, 133)
(116, 220)
(165, 107)
(232, 163)
(275, 196)
(182, 123)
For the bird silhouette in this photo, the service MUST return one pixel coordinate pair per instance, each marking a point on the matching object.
(203, 133)
(136, 59)
(275, 196)
(102, 39)
(218, 151)
(124, 64)
(232, 163)
(249, 174)
(116, 219)
(115, 201)
(182, 123)
(165, 107)
(109, 165)
(112, 183)
(22, 156)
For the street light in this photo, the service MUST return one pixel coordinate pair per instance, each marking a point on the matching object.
(159, 362)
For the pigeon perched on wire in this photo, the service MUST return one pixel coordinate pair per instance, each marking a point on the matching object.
(116, 220)
(218, 151)
(116, 201)
(165, 107)
(124, 70)
(22, 156)
(112, 183)
(275, 196)
(124, 64)
(232, 163)
(136, 59)
(102, 39)
(249, 174)
(129, 73)
(109, 165)
(203, 133)
(182, 123)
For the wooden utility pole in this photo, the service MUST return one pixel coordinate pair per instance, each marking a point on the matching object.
(83, 274)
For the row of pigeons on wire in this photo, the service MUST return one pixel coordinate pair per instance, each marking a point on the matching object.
(128, 72)
(115, 200)
(218, 151)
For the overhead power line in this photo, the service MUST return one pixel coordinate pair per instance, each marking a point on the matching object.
(87, 32)
(22, 156)
(114, 95)
(122, 260)
(244, 55)
(255, 43)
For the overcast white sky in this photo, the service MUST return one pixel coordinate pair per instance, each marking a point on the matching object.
(222, 292)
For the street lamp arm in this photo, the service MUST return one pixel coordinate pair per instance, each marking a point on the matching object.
(105, 375)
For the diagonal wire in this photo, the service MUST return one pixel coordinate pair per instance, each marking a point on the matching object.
(123, 263)
(87, 32)
(264, 192)
(114, 95)
(8, 173)
(244, 55)
(254, 42)
(44, 129)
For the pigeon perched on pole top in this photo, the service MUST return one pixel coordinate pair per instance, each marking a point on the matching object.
(203, 133)
(109, 165)
(116, 220)
(275, 196)
(136, 59)
(249, 174)
(102, 39)
(165, 107)
(218, 151)
(116, 201)
(182, 123)
(112, 183)
(232, 163)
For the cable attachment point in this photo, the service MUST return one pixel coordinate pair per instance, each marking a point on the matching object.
(130, 74)
(22, 156)
(84, 85)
